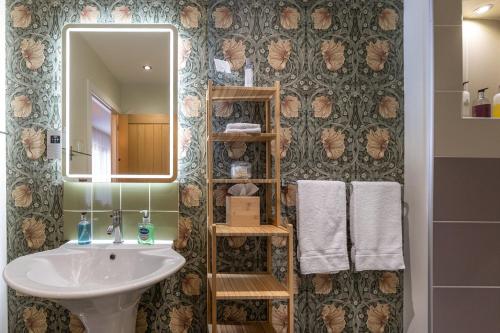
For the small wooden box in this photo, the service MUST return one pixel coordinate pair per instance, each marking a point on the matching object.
(243, 211)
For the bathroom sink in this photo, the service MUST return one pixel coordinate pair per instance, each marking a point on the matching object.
(101, 283)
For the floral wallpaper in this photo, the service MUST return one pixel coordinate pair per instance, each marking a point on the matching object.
(340, 64)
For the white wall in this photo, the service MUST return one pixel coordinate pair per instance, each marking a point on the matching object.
(144, 98)
(418, 65)
(3, 187)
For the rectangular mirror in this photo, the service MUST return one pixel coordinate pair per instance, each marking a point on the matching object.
(120, 102)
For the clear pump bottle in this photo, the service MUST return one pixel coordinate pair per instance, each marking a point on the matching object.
(146, 230)
(84, 230)
(496, 105)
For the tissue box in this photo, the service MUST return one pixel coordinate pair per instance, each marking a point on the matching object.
(243, 211)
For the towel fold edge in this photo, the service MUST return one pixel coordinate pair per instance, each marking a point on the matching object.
(378, 262)
(322, 264)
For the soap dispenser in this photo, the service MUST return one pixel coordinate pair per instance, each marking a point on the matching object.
(146, 230)
(84, 230)
(482, 107)
(496, 105)
(466, 105)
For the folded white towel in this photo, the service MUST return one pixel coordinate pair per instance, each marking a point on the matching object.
(244, 130)
(321, 226)
(376, 232)
(242, 126)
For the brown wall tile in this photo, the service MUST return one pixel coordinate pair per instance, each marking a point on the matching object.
(466, 254)
(447, 12)
(466, 310)
(466, 189)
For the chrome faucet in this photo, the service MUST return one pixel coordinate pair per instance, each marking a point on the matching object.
(116, 227)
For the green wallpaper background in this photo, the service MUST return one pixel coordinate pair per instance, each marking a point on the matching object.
(340, 64)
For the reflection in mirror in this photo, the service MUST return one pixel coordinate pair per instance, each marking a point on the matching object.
(120, 92)
(481, 61)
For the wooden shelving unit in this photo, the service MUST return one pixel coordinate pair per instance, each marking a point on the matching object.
(248, 285)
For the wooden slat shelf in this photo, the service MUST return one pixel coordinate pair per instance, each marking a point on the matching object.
(242, 137)
(236, 93)
(253, 327)
(248, 286)
(242, 181)
(223, 230)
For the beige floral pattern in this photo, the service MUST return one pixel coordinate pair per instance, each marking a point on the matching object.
(235, 150)
(34, 233)
(334, 318)
(279, 53)
(33, 53)
(141, 323)
(22, 196)
(377, 54)
(181, 319)
(236, 242)
(191, 284)
(75, 324)
(378, 142)
(280, 318)
(234, 53)
(122, 14)
(191, 106)
(285, 140)
(290, 106)
(378, 317)
(388, 283)
(289, 195)
(185, 138)
(20, 16)
(89, 14)
(223, 17)
(185, 229)
(190, 196)
(35, 320)
(333, 142)
(322, 18)
(190, 17)
(388, 107)
(388, 19)
(289, 18)
(223, 109)
(33, 142)
(22, 106)
(323, 284)
(234, 314)
(185, 48)
(279, 241)
(322, 106)
(333, 54)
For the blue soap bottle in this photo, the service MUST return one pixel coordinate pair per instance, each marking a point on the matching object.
(84, 230)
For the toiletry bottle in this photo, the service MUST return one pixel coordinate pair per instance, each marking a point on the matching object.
(466, 106)
(482, 107)
(496, 104)
(146, 230)
(248, 73)
(84, 230)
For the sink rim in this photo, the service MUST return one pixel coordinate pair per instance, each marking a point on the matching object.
(16, 275)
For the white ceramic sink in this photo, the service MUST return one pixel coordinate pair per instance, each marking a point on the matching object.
(101, 283)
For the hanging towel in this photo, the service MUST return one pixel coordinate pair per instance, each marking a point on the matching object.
(376, 233)
(321, 226)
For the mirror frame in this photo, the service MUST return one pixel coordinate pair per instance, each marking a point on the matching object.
(173, 102)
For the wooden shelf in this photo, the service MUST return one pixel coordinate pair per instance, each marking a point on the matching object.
(248, 286)
(223, 230)
(253, 327)
(242, 181)
(236, 93)
(242, 137)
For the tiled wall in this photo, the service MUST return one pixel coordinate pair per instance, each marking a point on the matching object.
(98, 200)
(466, 226)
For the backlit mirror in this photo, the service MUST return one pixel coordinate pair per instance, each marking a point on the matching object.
(120, 102)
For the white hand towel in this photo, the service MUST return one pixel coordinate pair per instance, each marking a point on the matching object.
(321, 226)
(242, 126)
(376, 232)
(244, 130)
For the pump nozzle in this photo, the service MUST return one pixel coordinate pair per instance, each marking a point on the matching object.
(145, 213)
(464, 83)
(482, 90)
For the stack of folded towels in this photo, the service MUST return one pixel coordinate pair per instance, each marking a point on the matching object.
(243, 128)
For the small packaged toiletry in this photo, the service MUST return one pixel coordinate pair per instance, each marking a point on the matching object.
(84, 230)
(146, 230)
(241, 170)
(248, 73)
(496, 105)
(482, 106)
(466, 105)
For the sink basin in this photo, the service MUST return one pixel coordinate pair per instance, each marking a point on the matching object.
(101, 283)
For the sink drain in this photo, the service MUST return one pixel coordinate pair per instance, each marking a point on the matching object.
(112, 256)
